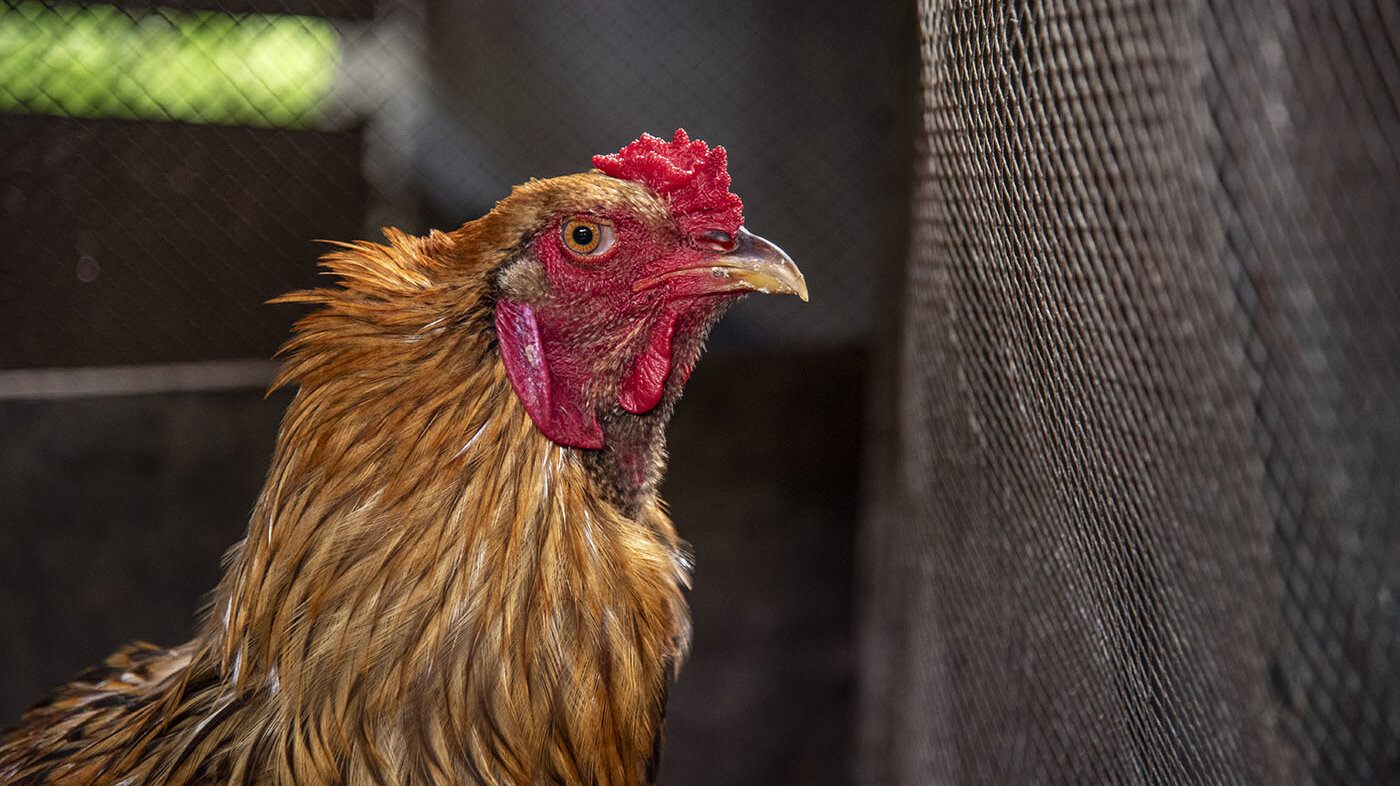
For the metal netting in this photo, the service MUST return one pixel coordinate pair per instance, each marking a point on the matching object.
(166, 166)
(178, 160)
(1140, 523)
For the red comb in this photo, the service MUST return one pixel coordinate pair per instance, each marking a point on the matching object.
(691, 177)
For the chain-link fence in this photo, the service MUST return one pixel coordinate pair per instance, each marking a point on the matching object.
(164, 169)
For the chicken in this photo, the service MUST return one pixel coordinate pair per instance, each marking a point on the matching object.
(459, 570)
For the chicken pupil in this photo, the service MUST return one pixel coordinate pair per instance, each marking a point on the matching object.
(583, 235)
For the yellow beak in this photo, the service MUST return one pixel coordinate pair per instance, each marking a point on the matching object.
(754, 265)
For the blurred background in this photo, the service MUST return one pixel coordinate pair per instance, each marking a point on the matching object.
(1081, 466)
(165, 168)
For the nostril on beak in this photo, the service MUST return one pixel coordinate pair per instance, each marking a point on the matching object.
(717, 240)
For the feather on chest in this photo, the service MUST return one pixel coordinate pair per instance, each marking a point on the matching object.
(458, 571)
(467, 586)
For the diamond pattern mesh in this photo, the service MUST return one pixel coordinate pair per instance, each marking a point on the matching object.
(178, 159)
(1140, 523)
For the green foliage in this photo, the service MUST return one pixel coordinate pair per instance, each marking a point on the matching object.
(195, 66)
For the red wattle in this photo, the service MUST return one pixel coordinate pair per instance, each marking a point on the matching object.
(642, 388)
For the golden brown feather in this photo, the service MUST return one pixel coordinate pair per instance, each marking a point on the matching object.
(431, 590)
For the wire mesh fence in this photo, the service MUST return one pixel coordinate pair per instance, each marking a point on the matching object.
(168, 167)
(1139, 523)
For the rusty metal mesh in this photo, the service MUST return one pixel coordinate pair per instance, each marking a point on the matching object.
(1141, 515)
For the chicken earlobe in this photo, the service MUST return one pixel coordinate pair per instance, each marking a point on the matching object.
(522, 352)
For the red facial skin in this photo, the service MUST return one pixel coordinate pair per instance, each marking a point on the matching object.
(606, 333)
(610, 321)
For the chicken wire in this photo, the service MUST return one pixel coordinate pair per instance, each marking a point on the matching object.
(1135, 518)
(163, 171)
(168, 166)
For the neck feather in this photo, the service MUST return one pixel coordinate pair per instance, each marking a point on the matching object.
(432, 584)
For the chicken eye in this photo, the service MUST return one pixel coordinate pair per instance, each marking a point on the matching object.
(587, 237)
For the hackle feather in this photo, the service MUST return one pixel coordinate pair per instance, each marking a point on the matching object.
(430, 590)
